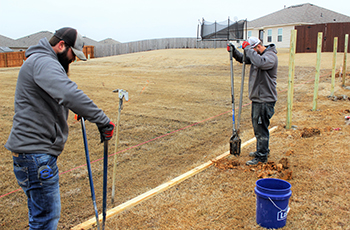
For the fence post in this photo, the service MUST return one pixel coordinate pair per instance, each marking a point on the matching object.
(345, 57)
(317, 75)
(293, 36)
(335, 47)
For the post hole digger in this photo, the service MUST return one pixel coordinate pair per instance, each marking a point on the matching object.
(235, 141)
(106, 134)
(89, 168)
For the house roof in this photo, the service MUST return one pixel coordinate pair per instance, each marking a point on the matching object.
(299, 14)
(33, 39)
(90, 42)
(6, 42)
(5, 49)
(108, 41)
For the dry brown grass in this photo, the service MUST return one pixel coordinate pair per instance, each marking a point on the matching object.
(170, 91)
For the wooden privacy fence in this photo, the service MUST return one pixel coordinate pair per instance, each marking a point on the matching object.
(15, 59)
(155, 44)
(307, 33)
(89, 51)
(12, 59)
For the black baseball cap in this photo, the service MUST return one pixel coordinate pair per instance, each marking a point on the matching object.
(72, 38)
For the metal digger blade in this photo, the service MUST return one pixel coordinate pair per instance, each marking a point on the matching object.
(235, 145)
(235, 141)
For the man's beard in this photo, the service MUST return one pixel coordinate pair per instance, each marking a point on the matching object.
(63, 59)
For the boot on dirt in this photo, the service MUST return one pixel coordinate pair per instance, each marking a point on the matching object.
(256, 160)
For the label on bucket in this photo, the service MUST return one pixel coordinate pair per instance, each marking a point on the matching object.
(282, 215)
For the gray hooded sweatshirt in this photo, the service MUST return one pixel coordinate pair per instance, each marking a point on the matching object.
(44, 94)
(263, 73)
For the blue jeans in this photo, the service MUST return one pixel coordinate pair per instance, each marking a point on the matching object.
(44, 203)
(261, 115)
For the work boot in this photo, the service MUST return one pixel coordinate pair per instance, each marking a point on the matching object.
(256, 160)
(253, 154)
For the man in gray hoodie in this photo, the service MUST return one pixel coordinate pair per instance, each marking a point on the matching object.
(262, 91)
(44, 95)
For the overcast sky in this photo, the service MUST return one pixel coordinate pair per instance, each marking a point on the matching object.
(133, 20)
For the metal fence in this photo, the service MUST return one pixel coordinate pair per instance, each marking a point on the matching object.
(155, 44)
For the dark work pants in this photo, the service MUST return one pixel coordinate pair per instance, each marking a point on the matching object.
(261, 115)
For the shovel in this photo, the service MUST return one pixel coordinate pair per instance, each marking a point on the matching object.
(235, 141)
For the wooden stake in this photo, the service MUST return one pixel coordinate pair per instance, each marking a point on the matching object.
(345, 57)
(317, 75)
(293, 37)
(334, 67)
(145, 196)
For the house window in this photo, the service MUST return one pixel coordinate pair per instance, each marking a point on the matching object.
(269, 35)
(249, 34)
(279, 37)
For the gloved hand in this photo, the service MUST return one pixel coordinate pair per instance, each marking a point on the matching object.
(106, 132)
(245, 44)
(78, 117)
(230, 47)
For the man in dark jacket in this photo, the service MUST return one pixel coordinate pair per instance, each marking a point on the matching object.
(44, 95)
(262, 91)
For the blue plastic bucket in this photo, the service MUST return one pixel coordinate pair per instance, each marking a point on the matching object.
(272, 202)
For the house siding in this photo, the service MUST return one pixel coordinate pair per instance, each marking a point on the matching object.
(290, 18)
(285, 35)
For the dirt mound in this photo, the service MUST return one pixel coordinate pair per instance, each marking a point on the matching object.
(339, 98)
(310, 132)
(339, 74)
(226, 164)
(266, 170)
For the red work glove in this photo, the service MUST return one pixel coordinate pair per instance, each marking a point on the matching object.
(106, 132)
(78, 117)
(230, 47)
(245, 44)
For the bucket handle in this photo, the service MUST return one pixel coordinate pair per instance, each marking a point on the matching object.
(282, 210)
